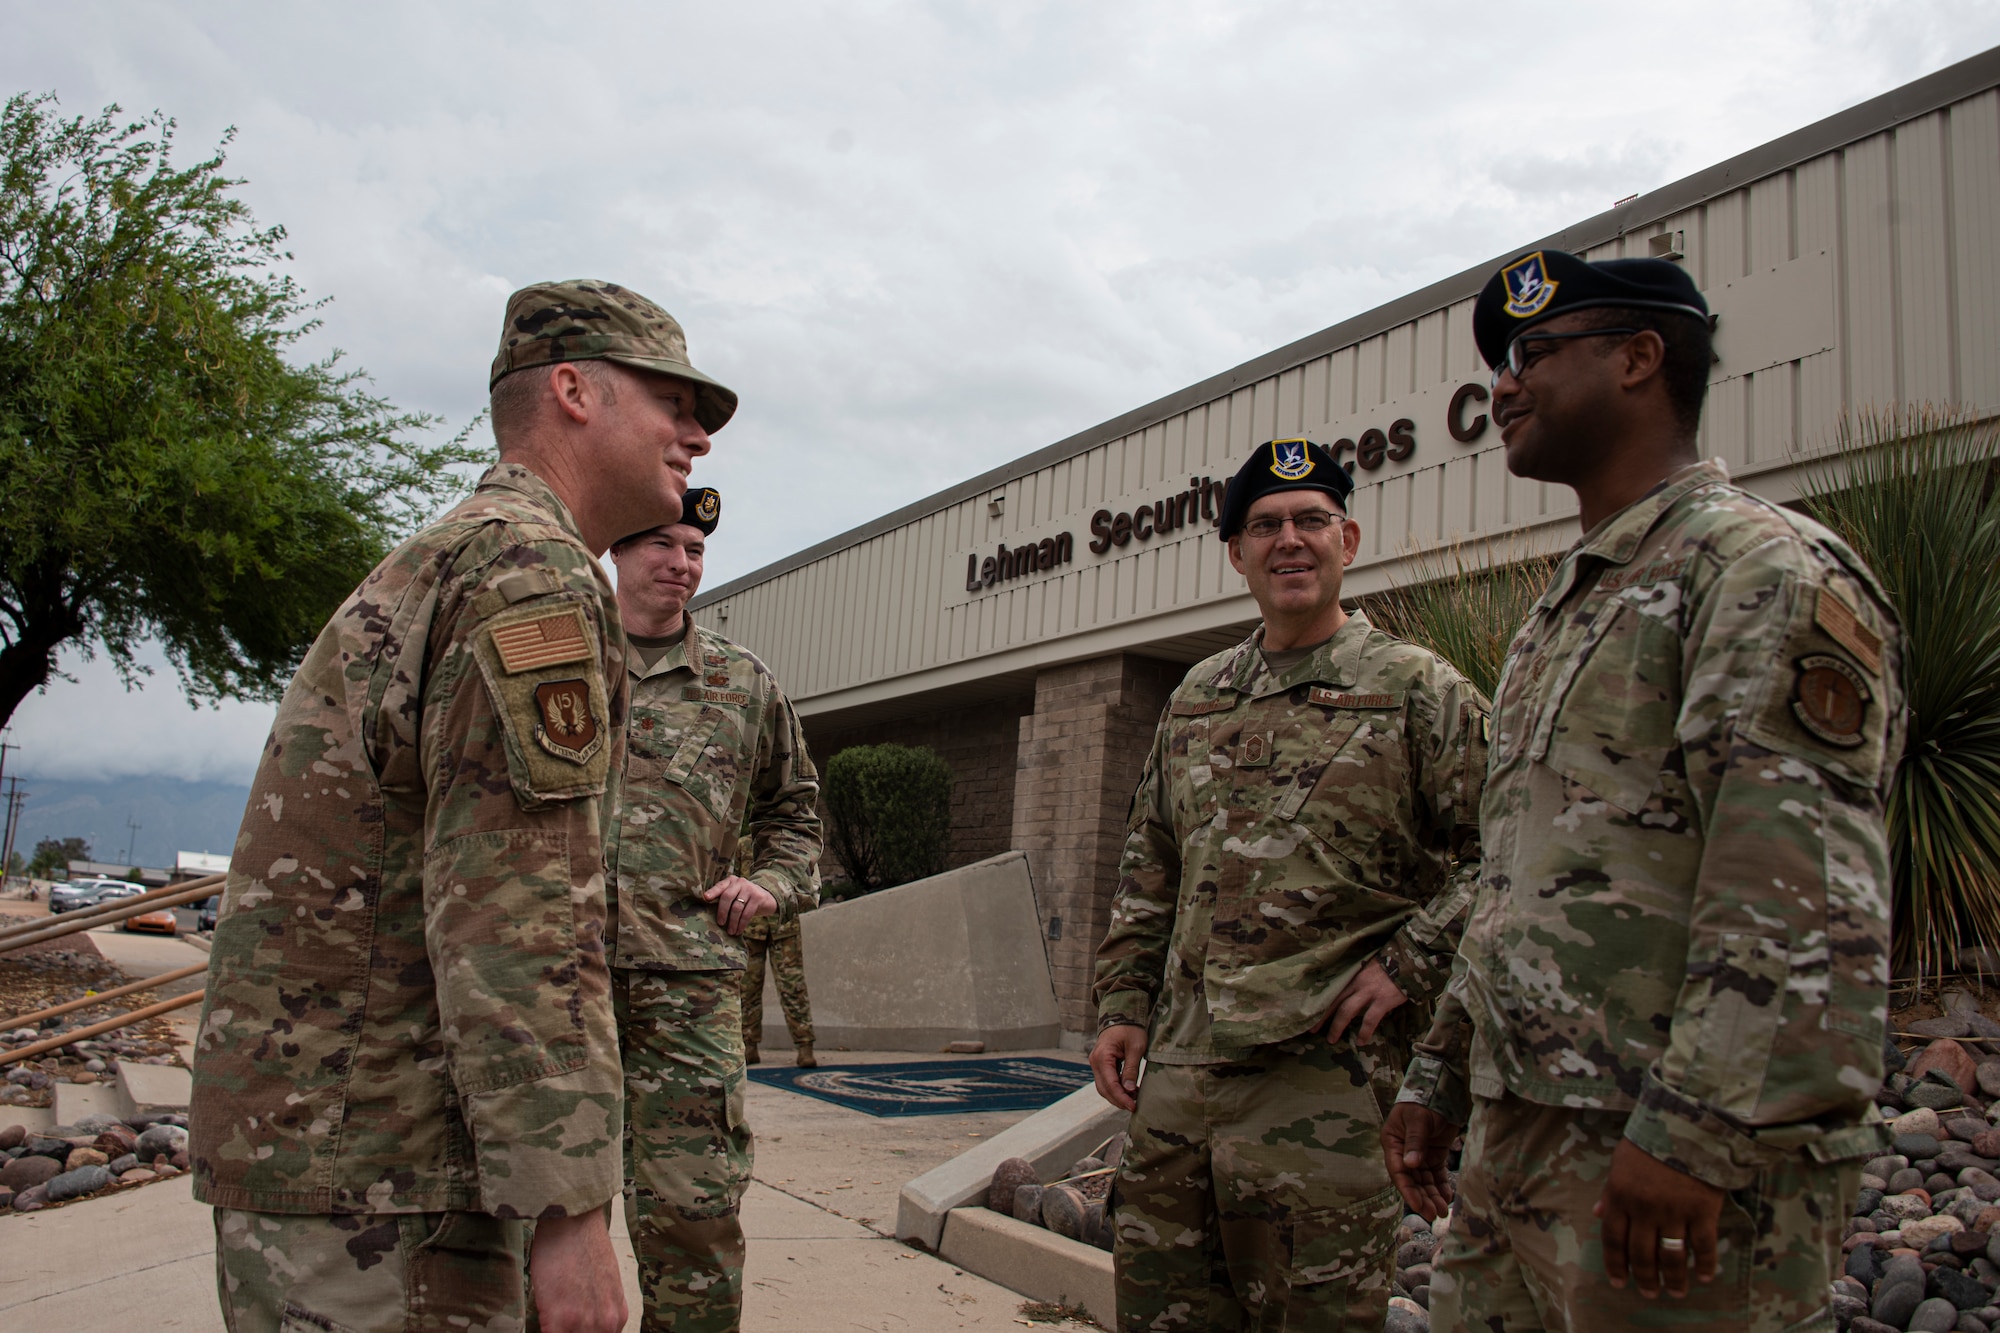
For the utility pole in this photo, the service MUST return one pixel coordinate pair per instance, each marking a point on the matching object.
(16, 798)
(132, 841)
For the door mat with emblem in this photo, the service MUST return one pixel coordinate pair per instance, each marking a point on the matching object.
(935, 1087)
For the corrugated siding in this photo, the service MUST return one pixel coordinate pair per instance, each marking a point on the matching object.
(1905, 222)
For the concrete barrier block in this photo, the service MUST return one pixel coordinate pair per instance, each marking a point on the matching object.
(957, 957)
(155, 1088)
(1052, 1138)
(1033, 1261)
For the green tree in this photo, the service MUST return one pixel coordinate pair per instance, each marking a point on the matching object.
(166, 472)
(1913, 492)
(53, 855)
(891, 812)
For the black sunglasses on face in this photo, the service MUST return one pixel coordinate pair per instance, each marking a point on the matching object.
(1516, 359)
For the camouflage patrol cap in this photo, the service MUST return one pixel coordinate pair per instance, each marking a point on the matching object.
(586, 320)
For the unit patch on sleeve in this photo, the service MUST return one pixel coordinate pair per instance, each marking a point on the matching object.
(1830, 698)
(568, 729)
(550, 640)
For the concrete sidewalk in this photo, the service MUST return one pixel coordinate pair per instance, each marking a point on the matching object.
(819, 1217)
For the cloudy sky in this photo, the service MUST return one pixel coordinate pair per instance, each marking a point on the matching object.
(919, 239)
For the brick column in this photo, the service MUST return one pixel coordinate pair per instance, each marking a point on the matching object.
(1080, 757)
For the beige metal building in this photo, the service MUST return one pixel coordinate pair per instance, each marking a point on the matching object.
(1029, 623)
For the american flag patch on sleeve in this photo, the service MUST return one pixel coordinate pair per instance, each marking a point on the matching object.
(544, 641)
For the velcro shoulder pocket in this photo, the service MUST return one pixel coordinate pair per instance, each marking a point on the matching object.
(1827, 697)
(542, 663)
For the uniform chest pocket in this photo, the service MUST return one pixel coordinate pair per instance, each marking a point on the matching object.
(708, 761)
(1351, 791)
(1608, 723)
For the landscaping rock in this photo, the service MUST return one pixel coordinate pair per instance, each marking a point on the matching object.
(1895, 1302)
(137, 1176)
(116, 1141)
(1923, 1120)
(1950, 1059)
(1062, 1210)
(1863, 1324)
(76, 1184)
(120, 1165)
(1028, 1203)
(1916, 1147)
(1965, 1128)
(13, 1136)
(1988, 1077)
(28, 1201)
(1987, 1144)
(25, 1173)
(82, 1157)
(1941, 1096)
(1009, 1176)
(1963, 1292)
(1934, 1315)
(1401, 1320)
(1924, 1230)
(170, 1139)
(1945, 1026)
(1906, 1207)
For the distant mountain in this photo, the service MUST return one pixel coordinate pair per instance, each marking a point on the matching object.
(173, 816)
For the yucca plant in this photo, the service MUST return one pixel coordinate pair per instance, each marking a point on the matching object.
(1464, 604)
(1912, 490)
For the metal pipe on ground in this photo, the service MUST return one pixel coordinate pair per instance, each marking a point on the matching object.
(209, 885)
(99, 1029)
(115, 993)
(127, 907)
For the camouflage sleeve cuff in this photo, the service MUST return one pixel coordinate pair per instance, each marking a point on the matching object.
(1692, 1138)
(1418, 972)
(1435, 1085)
(792, 897)
(1125, 1008)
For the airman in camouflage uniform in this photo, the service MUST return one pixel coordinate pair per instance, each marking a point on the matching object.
(1301, 852)
(1670, 1001)
(407, 1052)
(784, 946)
(714, 744)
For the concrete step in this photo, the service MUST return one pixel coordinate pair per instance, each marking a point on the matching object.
(77, 1100)
(155, 1089)
(1031, 1260)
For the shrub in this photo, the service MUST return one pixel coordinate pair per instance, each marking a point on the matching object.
(1912, 491)
(890, 807)
(1465, 606)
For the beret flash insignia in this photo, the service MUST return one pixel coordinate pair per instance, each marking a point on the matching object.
(1290, 460)
(1529, 287)
(708, 507)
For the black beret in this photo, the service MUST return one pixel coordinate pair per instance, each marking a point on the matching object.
(701, 508)
(1548, 283)
(1282, 465)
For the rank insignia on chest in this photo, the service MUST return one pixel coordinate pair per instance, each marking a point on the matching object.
(1830, 699)
(717, 678)
(566, 727)
(1254, 750)
(544, 641)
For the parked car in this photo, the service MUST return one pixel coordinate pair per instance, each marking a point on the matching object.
(90, 892)
(207, 914)
(160, 919)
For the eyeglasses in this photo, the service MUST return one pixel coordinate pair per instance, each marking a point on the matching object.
(1313, 520)
(1517, 360)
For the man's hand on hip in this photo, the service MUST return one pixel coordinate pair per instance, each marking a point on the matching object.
(1371, 996)
(737, 901)
(1415, 1140)
(1114, 1060)
(578, 1288)
(1658, 1223)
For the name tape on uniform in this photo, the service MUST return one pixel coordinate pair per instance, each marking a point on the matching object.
(544, 641)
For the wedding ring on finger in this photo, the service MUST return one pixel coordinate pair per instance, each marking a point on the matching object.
(1672, 1244)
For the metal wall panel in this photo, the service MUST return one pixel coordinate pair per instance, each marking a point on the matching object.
(1865, 275)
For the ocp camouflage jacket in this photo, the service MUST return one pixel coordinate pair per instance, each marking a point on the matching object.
(1685, 907)
(711, 737)
(408, 1007)
(1288, 829)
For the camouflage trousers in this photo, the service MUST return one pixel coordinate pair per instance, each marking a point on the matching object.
(382, 1273)
(687, 1144)
(788, 965)
(1524, 1251)
(1252, 1195)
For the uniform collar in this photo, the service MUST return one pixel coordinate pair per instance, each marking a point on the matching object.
(682, 656)
(526, 482)
(1617, 539)
(1335, 662)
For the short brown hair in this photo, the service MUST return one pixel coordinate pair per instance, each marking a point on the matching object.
(516, 397)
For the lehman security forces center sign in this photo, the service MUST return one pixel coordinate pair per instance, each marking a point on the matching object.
(1401, 436)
